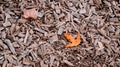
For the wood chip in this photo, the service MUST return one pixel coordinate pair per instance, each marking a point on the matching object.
(100, 46)
(10, 45)
(3, 45)
(52, 58)
(7, 22)
(5, 63)
(40, 14)
(53, 38)
(67, 62)
(10, 58)
(42, 64)
(60, 31)
(41, 31)
(26, 36)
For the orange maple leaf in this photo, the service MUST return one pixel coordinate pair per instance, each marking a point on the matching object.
(74, 41)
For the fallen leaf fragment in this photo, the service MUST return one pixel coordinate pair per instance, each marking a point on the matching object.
(69, 37)
(74, 41)
(30, 13)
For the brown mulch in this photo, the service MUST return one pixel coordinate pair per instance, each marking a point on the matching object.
(40, 42)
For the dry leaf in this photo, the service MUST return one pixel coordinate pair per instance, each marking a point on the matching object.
(74, 42)
(30, 13)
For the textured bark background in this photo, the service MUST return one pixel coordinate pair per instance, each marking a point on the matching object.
(39, 42)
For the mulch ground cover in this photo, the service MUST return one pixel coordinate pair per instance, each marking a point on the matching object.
(36, 33)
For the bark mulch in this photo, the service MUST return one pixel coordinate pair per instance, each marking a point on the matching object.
(40, 42)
